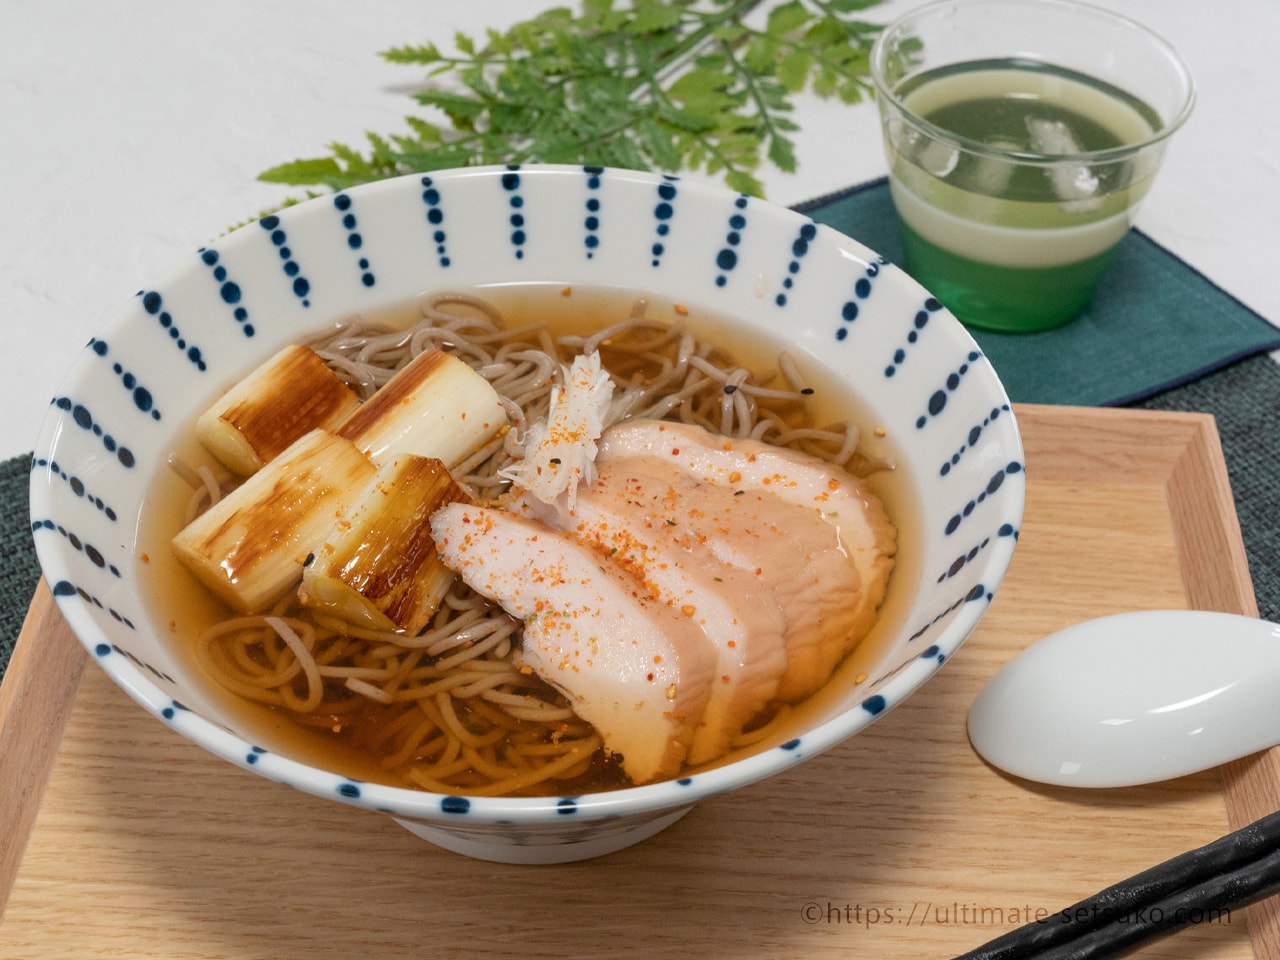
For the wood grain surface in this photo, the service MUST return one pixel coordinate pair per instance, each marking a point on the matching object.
(899, 842)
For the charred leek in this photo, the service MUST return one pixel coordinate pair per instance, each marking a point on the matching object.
(249, 547)
(378, 567)
(292, 393)
(435, 406)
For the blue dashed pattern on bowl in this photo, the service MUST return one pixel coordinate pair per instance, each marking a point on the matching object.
(175, 344)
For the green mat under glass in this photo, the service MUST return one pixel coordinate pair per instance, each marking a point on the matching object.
(1150, 305)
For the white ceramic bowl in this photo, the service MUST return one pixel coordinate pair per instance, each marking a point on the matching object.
(169, 351)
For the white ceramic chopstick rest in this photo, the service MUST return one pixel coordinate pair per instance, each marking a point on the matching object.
(1133, 698)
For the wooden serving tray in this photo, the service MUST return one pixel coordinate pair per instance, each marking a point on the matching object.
(898, 843)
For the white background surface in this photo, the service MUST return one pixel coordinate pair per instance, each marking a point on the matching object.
(134, 131)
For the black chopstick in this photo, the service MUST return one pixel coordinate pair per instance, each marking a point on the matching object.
(1232, 872)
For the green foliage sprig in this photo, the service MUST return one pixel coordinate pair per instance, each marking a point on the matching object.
(676, 86)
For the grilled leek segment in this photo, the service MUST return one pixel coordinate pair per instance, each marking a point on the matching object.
(292, 393)
(348, 502)
(249, 547)
(378, 567)
(435, 406)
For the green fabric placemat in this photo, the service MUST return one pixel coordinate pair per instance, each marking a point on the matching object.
(1244, 400)
(19, 571)
(1150, 305)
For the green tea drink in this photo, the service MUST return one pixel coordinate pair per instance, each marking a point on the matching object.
(1017, 188)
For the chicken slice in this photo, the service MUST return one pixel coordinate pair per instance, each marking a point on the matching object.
(631, 666)
(841, 499)
(735, 610)
(787, 549)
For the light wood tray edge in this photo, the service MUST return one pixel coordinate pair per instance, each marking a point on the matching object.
(1186, 448)
(36, 697)
(1183, 449)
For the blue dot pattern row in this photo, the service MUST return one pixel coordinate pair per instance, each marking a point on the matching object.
(355, 239)
(141, 396)
(435, 218)
(102, 650)
(727, 256)
(298, 283)
(95, 555)
(919, 321)
(83, 418)
(663, 213)
(976, 592)
(65, 588)
(960, 562)
(938, 399)
(799, 247)
(862, 289)
(153, 304)
(591, 223)
(972, 438)
(228, 290)
(515, 200)
(993, 484)
(76, 485)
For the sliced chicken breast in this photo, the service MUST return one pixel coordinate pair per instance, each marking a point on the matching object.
(636, 669)
(787, 549)
(840, 499)
(736, 611)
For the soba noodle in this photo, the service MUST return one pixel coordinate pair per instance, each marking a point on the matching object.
(450, 710)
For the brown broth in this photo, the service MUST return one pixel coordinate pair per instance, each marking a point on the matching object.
(181, 608)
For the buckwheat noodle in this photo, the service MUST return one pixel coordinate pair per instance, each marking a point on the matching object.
(450, 710)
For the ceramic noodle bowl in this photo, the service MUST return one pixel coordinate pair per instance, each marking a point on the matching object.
(841, 310)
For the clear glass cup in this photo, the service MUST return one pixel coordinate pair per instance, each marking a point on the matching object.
(1021, 135)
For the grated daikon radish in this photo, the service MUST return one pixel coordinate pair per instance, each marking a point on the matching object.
(560, 451)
